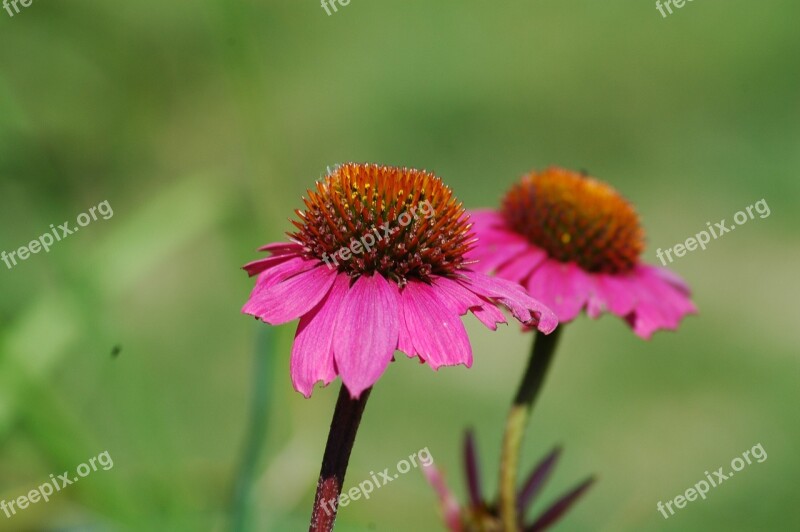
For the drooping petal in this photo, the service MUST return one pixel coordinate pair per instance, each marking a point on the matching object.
(436, 331)
(672, 278)
(258, 266)
(275, 274)
(282, 271)
(489, 315)
(455, 296)
(459, 298)
(564, 287)
(520, 267)
(487, 259)
(523, 307)
(312, 351)
(659, 304)
(367, 329)
(405, 342)
(291, 298)
(612, 293)
(282, 248)
(496, 244)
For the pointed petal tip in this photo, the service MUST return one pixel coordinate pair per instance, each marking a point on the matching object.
(356, 391)
(557, 510)
(302, 390)
(472, 470)
(536, 480)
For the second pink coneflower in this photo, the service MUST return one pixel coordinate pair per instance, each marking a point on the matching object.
(575, 243)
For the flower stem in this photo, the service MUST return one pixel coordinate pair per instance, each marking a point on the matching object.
(544, 347)
(342, 435)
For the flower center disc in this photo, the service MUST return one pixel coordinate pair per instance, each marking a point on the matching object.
(400, 222)
(576, 218)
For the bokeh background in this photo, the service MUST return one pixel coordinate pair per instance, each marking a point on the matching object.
(202, 123)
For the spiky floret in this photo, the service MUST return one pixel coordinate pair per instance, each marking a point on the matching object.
(576, 218)
(418, 227)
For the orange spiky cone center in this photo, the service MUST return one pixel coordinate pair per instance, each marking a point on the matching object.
(576, 218)
(400, 222)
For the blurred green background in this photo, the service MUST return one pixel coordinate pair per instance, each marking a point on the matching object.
(202, 123)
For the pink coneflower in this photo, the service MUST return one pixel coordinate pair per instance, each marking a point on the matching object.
(406, 292)
(575, 243)
(370, 271)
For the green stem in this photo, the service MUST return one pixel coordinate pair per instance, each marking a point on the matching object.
(544, 347)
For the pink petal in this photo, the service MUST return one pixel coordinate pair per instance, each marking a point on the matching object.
(671, 277)
(613, 293)
(523, 307)
(520, 267)
(312, 351)
(275, 274)
(564, 287)
(284, 301)
(496, 243)
(455, 296)
(405, 342)
(436, 331)
(489, 254)
(459, 299)
(450, 508)
(660, 305)
(485, 218)
(367, 329)
(258, 266)
(282, 248)
(489, 315)
(282, 271)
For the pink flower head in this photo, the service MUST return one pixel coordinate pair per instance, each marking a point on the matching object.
(378, 264)
(575, 243)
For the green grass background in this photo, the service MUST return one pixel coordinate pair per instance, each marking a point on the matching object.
(202, 123)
